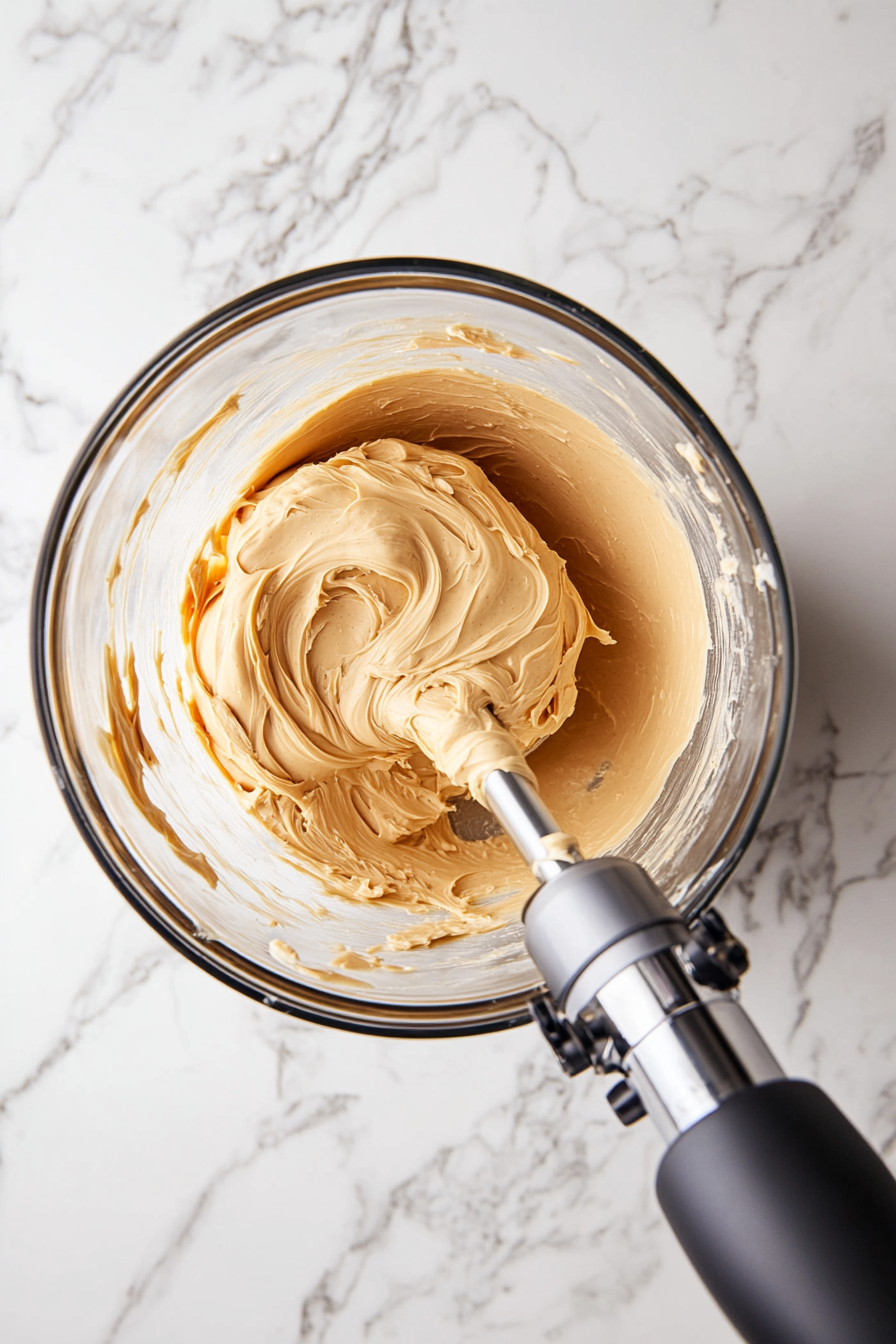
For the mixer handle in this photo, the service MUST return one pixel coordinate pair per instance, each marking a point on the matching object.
(788, 1216)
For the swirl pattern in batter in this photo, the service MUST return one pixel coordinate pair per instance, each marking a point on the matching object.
(368, 637)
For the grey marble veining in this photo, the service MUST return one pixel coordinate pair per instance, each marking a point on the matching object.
(717, 178)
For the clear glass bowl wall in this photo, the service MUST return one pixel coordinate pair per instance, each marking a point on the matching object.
(283, 347)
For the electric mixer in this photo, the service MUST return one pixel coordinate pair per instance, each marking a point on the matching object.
(784, 1210)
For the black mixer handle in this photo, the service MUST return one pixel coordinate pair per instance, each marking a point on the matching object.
(788, 1216)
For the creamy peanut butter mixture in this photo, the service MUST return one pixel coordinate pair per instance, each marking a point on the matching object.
(436, 575)
(376, 634)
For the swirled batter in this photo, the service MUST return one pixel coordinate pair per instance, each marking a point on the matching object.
(370, 636)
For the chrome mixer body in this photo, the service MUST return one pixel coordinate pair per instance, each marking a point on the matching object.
(631, 988)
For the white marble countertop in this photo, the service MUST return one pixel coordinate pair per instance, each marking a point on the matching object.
(714, 176)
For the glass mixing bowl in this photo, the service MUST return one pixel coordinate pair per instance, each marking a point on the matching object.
(349, 324)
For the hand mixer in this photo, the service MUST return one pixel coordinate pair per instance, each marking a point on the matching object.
(786, 1213)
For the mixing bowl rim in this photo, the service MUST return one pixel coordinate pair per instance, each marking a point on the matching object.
(324, 1007)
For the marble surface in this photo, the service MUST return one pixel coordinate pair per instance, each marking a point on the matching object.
(715, 177)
